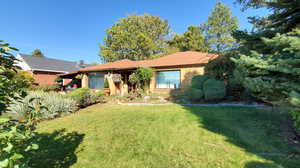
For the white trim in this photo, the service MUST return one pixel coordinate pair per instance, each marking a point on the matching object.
(48, 70)
(21, 63)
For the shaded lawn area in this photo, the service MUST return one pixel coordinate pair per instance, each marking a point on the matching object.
(170, 136)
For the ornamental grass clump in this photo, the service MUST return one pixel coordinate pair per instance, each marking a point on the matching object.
(54, 104)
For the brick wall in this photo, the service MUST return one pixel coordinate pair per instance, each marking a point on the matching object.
(44, 78)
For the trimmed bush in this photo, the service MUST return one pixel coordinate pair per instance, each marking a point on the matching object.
(198, 81)
(55, 104)
(195, 94)
(85, 97)
(214, 89)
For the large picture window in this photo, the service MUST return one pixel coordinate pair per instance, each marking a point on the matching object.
(168, 79)
(96, 80)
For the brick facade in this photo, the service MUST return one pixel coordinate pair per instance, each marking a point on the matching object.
(44, 78)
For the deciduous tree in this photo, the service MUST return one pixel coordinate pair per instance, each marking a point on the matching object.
(136, 37)
(38, 53)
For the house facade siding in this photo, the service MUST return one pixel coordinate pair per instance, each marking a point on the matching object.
(186, 75)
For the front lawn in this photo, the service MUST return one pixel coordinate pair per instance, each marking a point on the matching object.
(170, 136)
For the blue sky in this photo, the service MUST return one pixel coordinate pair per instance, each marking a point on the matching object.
(73, 29)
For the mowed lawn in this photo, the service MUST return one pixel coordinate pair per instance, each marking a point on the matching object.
(171, 136)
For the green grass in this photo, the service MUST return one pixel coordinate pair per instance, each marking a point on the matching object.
(173, 136)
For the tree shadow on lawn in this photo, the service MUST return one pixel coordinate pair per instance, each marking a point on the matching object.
(56, 149)
(256, 131)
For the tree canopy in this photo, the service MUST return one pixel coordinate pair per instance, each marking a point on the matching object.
(135, 37)
(38, 53)
(285, 14)
(191, 40)
(218, 28)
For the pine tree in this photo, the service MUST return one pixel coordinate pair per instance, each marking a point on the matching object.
(191, 40)
(219, 27)
(273, 75)
(284, 18)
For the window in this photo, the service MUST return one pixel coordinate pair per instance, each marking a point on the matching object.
(96, 80)
(168, 79)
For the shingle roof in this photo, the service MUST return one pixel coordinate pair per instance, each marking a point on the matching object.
(49, 64)
(175, 59)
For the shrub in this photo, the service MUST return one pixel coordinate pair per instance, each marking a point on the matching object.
(197, 81)
(55, 104)
(24, 79)
(214, 89)
(195, 94)
(100, 93)
(141, 77)
(136, 94)
(45, 88)
(85, 97)
(16, 141)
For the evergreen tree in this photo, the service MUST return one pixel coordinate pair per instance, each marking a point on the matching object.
(285, 14)
(191, 40)
(269, 61)
(273, 75)
(37, 53)
(135, 37)
(219, 27)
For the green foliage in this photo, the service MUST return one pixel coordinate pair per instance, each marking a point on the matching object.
(191, 40)
(219, 27)
(58, 80)
(24, 79)
(42, 105)
(45, 88)
(141, 77)
(271, 75)
(144, 74)
(206, 88)
(270, 57)
(85, 97)
(9, 87)
(37, 53)
(294, 99)
(195, 94)
(16, 140)
(100, 93)
(220, 68)
(106, 85)
(135, 37)
(134, 78)
(214, 90)
(136, 94)
(284, 16)
(198, 81)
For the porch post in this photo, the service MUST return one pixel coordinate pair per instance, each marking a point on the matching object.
(85, 81)
(152, 83)
(111, 84)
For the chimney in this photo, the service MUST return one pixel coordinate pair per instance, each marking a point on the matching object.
(80, 64)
